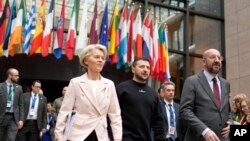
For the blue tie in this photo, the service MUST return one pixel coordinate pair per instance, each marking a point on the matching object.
(33, 101)
(171, 120)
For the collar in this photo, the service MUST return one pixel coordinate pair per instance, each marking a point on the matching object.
(166, 102)
(9, 83)
(33, 94)
(209, 76)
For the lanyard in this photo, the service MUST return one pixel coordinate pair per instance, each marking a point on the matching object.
(33, 101)
(10, 93)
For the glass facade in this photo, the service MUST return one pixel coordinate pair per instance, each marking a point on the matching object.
(193, 26)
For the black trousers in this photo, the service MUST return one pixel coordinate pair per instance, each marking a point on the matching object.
(92, 137)
(29, 132)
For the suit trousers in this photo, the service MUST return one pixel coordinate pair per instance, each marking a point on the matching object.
(8, 128)
(29, 132)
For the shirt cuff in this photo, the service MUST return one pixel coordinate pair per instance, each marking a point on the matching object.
(205, 131)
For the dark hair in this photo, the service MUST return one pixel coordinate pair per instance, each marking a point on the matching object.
(163, 85)
(139, 59)
(36, 81)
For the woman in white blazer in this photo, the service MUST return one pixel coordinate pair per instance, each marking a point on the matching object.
(92, 98)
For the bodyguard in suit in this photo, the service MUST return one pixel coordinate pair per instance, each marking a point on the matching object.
(35, 113)
(205, 102)
(11, 106)
(170, 109)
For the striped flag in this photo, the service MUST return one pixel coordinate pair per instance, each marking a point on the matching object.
(162, 52)
(1, 8)
(3, 24)
(131, 37)
(138, 34)
(156, 50)
(29, 26)
(114, 36)
(93, 37)
(38, 36)
(46, 41)
(103, 36)
(167, 74)
(82, 37)
(122, 50)
(151, 42)
(146, 37)
(16, 37)
(8, 29)
(70, 43)
(59, 33)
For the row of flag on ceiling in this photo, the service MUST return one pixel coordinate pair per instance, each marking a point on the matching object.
(127, 36)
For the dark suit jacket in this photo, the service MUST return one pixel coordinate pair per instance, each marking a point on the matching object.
(18, 103)
(42, 109)
(199, 110)
(178, 121)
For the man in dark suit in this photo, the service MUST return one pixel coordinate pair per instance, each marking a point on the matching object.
(205, 102)
(170, 109)
(11, 106)
(35, 113)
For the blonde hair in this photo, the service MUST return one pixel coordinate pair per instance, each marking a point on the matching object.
(86, 52)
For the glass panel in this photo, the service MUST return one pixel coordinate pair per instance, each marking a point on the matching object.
(207, 6)
(176, 71)
(178, 3)
(204, 34)
(174, 22)
(195, 65)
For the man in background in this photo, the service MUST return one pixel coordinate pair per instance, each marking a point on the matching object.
(11, 106)
(58, 102)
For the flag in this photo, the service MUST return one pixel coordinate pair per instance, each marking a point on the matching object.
(131, 36)
(114, 36)
(103, 36)
(70, 43)
(122, 50)
(162, 53)
(1, 8)
(93, 37)
(8, 29)
(138, 34)
(38, 36)
(167, 75)
(156, 51)
(29, 26)
(3, 24)
(46, 41)
(146, 37)
(16, 37)
(82, 37)
(59, 33)
(151, 46)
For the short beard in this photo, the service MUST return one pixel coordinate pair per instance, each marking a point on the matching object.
(138, 77)
(212, 71)
(13, 80)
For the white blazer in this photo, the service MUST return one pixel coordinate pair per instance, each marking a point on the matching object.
(91, 111)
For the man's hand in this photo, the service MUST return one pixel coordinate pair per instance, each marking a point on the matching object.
(43, 130)
(225, 131)
(211, 136)
(20, 124)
